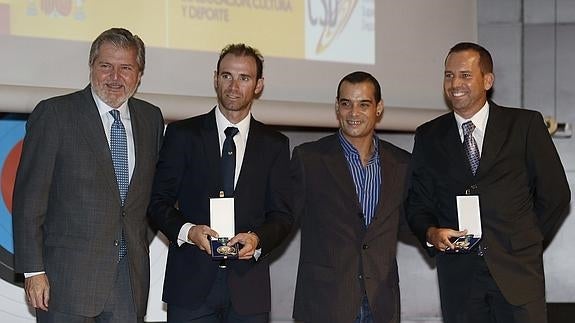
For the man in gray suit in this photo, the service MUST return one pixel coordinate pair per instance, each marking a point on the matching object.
(349, 193)
(81, 192)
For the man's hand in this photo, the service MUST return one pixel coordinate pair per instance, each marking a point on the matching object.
(250, 242)
(37, 291)
(200, 236)
(440, 237)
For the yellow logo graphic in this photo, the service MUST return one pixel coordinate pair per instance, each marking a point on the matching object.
(335, 18)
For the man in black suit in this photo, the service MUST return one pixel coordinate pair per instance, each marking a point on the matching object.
(189, 174)
(349, 192)
(80, 226)
(521, 188)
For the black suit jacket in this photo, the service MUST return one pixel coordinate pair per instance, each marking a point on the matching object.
(67, 209)
(523, 196)
(339, 256)
(187, 176)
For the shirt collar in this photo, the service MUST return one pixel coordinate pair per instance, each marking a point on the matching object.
(104, 109)
(350, 150)
(479, 119)
(222, 123)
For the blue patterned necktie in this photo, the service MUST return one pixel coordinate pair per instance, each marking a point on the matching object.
(119, 150)
(229, 161)
(471, 150)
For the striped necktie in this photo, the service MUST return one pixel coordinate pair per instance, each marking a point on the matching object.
(119, 150)
(470, 146)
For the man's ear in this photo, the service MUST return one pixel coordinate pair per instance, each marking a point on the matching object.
(259, 86)
(488, 80)
(379, 108)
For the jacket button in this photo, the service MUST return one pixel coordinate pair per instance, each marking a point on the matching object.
(116, 243)
(360, 276)
(365, 246)
(123, 213)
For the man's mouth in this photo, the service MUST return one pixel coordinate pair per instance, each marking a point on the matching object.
(114, 87)
(458, 93)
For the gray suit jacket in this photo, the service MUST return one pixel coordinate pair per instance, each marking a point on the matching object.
(67, 212)
(339, 257)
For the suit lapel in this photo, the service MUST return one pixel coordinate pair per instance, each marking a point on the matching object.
(211, 145)
(95, 136)
(388, 183)
(138, 129)
(252, 155)
(453, 150)
(493, 139)
(335, 162)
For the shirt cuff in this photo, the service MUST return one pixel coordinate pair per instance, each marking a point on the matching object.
(36, 273)
(183, 235)
(257, 254)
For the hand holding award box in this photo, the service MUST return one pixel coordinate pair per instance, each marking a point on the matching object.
(469, 218)
(222, 221)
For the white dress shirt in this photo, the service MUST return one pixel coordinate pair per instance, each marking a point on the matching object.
(108, 119)
(479, 119)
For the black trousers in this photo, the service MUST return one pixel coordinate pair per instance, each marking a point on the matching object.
(486, 304)
(217, 308)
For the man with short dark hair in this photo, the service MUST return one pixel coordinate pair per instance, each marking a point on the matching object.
(501, 164)
(349, 192)
(82, 189)
(190, 172)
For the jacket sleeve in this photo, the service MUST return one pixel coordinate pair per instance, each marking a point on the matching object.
(278, 204)
(547, 178)
(32, 187)
(171, 165)
(420, 201)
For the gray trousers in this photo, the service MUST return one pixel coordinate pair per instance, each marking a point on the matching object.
(119, 308)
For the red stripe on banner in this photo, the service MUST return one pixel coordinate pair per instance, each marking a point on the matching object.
(8, 175)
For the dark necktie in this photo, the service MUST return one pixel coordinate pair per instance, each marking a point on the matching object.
(229, 161)
(119, 150)
(471, 150)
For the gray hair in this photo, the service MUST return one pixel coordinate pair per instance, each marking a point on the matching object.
(120, 38)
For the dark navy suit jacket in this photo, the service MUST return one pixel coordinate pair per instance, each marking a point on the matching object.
(187, 176)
